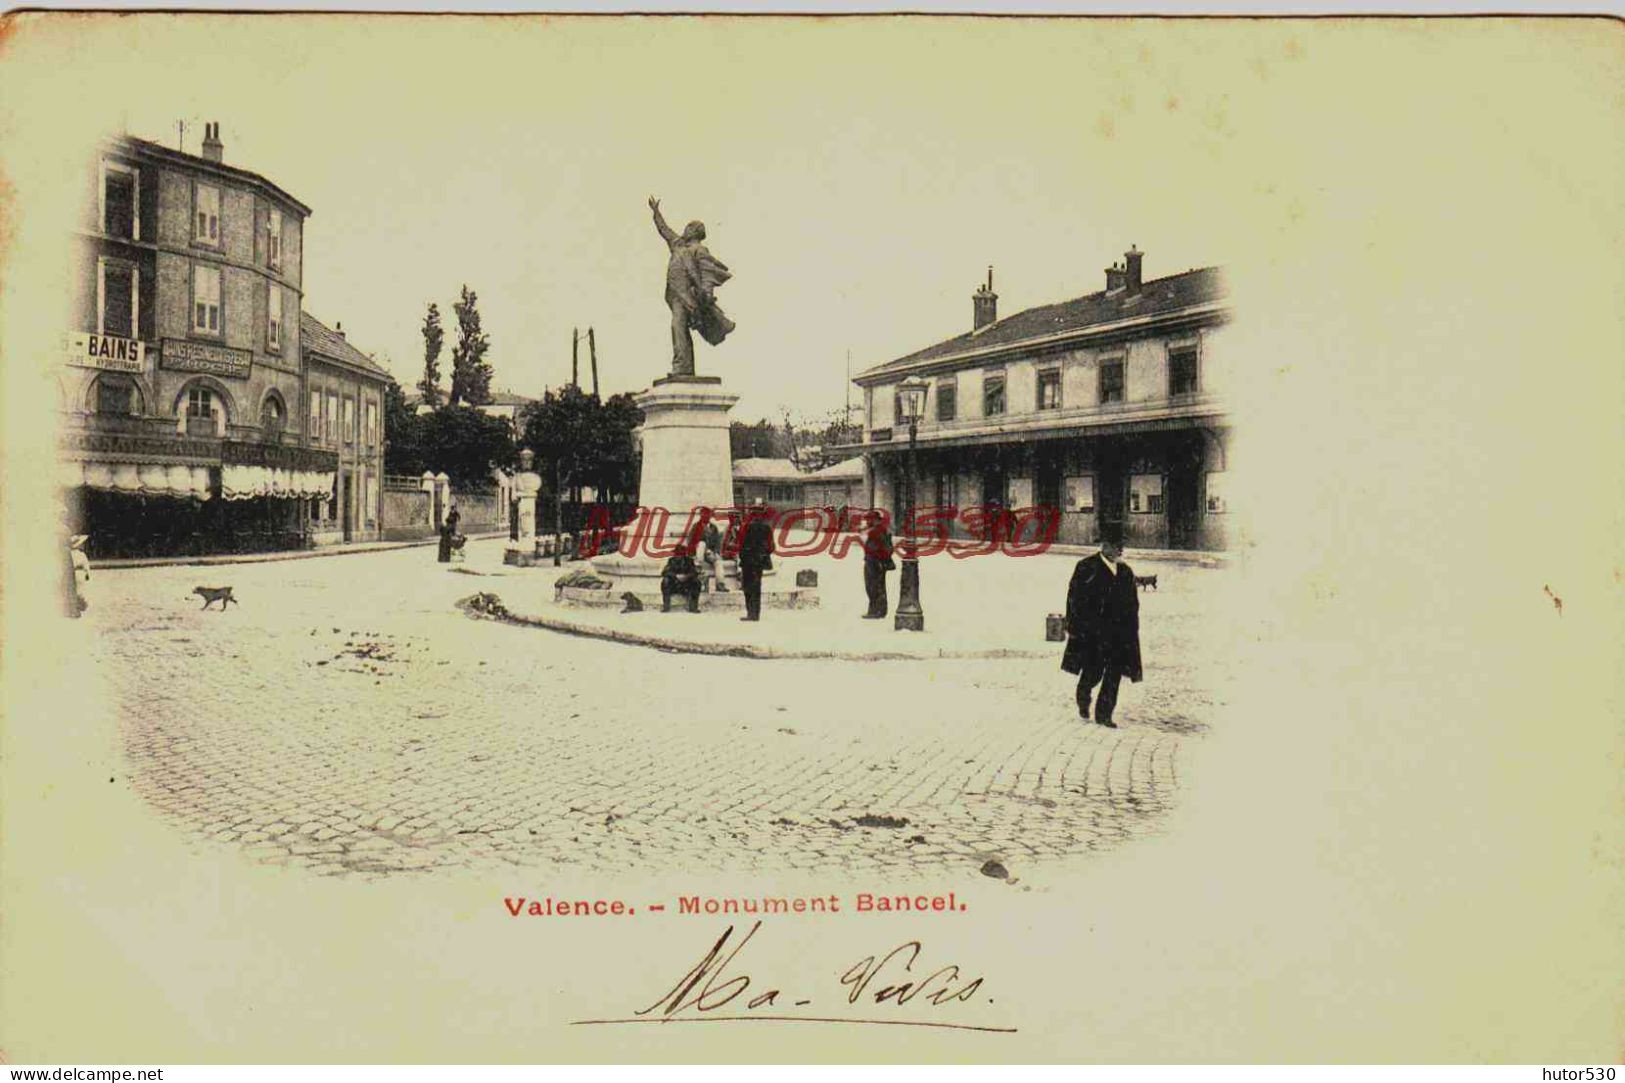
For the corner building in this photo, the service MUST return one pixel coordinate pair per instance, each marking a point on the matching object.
(182, 377)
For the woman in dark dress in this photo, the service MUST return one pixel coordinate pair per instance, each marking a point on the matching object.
(447, 532)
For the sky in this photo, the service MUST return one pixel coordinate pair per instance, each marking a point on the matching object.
(858, 178)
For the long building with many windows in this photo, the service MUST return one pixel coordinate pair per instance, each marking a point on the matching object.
(1108, 407)
(183, 377)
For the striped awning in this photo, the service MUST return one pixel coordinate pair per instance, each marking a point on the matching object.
(142, 479)
(247, 482)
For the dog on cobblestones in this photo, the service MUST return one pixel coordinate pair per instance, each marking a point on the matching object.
(210, 595)
(1146, 582)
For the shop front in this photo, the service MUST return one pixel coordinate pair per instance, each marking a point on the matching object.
(141, 495)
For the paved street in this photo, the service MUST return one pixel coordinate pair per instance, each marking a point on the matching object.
(348, 719)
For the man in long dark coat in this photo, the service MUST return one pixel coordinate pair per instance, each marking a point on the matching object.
(692, 277)
(755, 557)
(1103, 629)
(877, 561)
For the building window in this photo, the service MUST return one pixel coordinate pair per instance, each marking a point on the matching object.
(272, 416)
(206, 222)
(1049, 390)
(118, 297)
(992, 395)
(121, 203)
(1215, 493)
(897, 408)
(330, 430)
(273, 238)
(1080, 493)
(1182, 377)
(781, 494)
(372, 424)
(1145, 494)
(349, 420)
(205, 299)
(273, 326)
(313, 422)
(946, 404)
(1111, 381)
(115, 395)
(200, 402)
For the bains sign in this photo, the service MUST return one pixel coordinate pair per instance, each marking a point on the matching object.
(111, 352)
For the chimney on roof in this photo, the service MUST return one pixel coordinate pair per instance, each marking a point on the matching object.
(984, 304)
(1114, 278)
(1132, 258)
(212, 147)
(338, 329)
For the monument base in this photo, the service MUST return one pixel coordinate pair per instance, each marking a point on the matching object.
(648, 595)
(687, 464)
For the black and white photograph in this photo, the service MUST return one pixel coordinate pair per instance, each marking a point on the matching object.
(924, 538)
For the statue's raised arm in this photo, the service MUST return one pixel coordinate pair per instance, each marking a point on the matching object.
(667, 234)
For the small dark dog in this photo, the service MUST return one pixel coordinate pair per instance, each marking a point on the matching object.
(210, 595)
(632, 603)
(1146, 581)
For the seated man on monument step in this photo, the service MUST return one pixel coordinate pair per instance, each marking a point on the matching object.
(681, 576)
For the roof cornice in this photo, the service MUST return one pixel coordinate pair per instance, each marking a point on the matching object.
(1206, 313)
(325, 358)
(130, 144)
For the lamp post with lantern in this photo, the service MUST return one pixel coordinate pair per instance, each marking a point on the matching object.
(910, 616)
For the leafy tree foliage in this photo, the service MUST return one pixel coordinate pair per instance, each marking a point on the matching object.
(433, 338)
(470, 372)
(580, 440)
(459, 441)
(763, 440)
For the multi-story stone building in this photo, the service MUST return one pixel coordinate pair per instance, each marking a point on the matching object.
(182, 373)
(344, 392)
(1108, 407)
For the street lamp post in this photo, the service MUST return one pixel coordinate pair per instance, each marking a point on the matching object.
(909, 614)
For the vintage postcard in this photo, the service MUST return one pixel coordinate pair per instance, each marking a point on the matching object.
(887, 538)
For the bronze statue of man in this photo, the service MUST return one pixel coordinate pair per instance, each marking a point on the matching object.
(692, 277)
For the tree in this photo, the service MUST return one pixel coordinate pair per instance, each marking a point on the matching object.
(433, 338)
(558, 429)
(470, 372)
(763, 440)
(402, 434)
(465, 444)
(580, 440)
(614, 467)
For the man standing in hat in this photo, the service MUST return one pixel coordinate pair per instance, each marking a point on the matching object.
(755, 557)
(877, 561)
(1103, 628)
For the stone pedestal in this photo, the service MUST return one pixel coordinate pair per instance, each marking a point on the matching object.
(687, 464)
(686, 458)
(521, 551)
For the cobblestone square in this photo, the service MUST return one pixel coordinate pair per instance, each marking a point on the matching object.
(348, 719)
